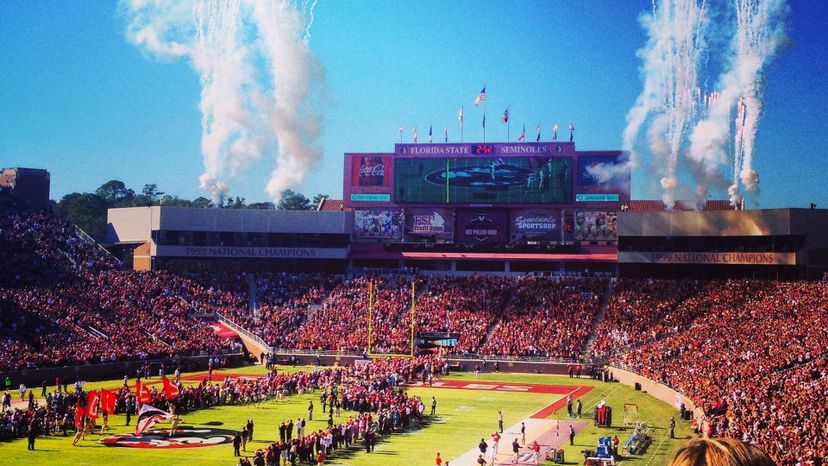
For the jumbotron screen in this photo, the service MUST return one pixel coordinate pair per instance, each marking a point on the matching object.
(478, 180)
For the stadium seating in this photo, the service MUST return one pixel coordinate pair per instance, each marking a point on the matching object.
(750, 353)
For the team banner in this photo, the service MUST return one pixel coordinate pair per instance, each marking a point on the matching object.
(482, 226)
(148, 417)
(425, 224)
(536, 225)
(595, 226)
(379, 224)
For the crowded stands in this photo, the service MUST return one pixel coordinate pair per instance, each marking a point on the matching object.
(750, 353)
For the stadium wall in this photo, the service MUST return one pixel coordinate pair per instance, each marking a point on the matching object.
(33, 378)
(655, 389)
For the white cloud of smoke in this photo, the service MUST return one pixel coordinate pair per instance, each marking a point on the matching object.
(258, 81)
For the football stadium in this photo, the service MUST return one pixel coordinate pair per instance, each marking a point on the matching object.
(463, 300)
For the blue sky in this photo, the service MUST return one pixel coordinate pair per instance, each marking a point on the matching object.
(78, 99)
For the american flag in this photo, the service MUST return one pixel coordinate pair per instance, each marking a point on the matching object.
(481, 97)
(505, 116)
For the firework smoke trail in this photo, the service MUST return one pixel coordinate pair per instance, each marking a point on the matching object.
(670, 101)
(671, 61)
(296, 72)
(757, 35)
(248, 109)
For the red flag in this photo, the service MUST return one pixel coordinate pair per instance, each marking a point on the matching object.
(107, 401)
(79, 412)
(92, 404)
(170, 390)
(143, 393)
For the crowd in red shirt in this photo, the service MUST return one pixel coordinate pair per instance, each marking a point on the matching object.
(754, 359)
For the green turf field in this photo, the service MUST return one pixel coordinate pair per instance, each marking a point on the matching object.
(463, 417)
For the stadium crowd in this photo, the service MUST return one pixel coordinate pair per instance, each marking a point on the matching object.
(750, 353)
(755, 361)
(547, 318)
(68, 303)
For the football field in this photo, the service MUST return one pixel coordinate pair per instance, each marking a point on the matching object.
(467, 410)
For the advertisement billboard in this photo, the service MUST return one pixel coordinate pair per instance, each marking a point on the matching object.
(368, 179)
(435, 224)
(483, 180)
(369, 170)
(482, 226)
(595, 226)
(377, 224)
(536, 225)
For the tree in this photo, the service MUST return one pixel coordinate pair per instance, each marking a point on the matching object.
(317, 199)
(293, 201)
(202, 202)
(262, 206)
(114, 191)
(151, 192)
(87, 211)
(238, 203)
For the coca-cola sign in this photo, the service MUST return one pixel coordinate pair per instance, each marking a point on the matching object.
(369, 171)
(377, 170)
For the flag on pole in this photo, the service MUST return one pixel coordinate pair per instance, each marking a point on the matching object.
(445, 132)
(480, 97)
(429, 135)
(505, 117)
(414, 130)
(537, 128)
(170, 389)
(142, 393)
(571, 132)
(461, 116)
(79, 414)
(148, 417)
(523, 134)
(554, 131)
(107, 401)
(484, 121)
(92, 404)
(401, 130)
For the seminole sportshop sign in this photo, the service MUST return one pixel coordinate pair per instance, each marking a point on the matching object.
(729, 258)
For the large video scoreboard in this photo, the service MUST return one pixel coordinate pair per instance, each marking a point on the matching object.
(483, 192)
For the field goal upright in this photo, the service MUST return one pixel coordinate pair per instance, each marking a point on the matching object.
(371, 353)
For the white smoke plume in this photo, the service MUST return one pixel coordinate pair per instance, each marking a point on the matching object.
(666, 104)
(674, 121)
(257, 79)
(758, 34)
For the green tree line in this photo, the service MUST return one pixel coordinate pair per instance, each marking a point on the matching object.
(88, 210)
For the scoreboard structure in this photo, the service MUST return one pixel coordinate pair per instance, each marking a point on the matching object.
(484, 193)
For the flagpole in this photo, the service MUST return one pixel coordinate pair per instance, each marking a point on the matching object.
(508, 123)
(484, 117)
(461, 124)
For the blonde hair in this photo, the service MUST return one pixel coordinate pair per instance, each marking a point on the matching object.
(720, 452)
